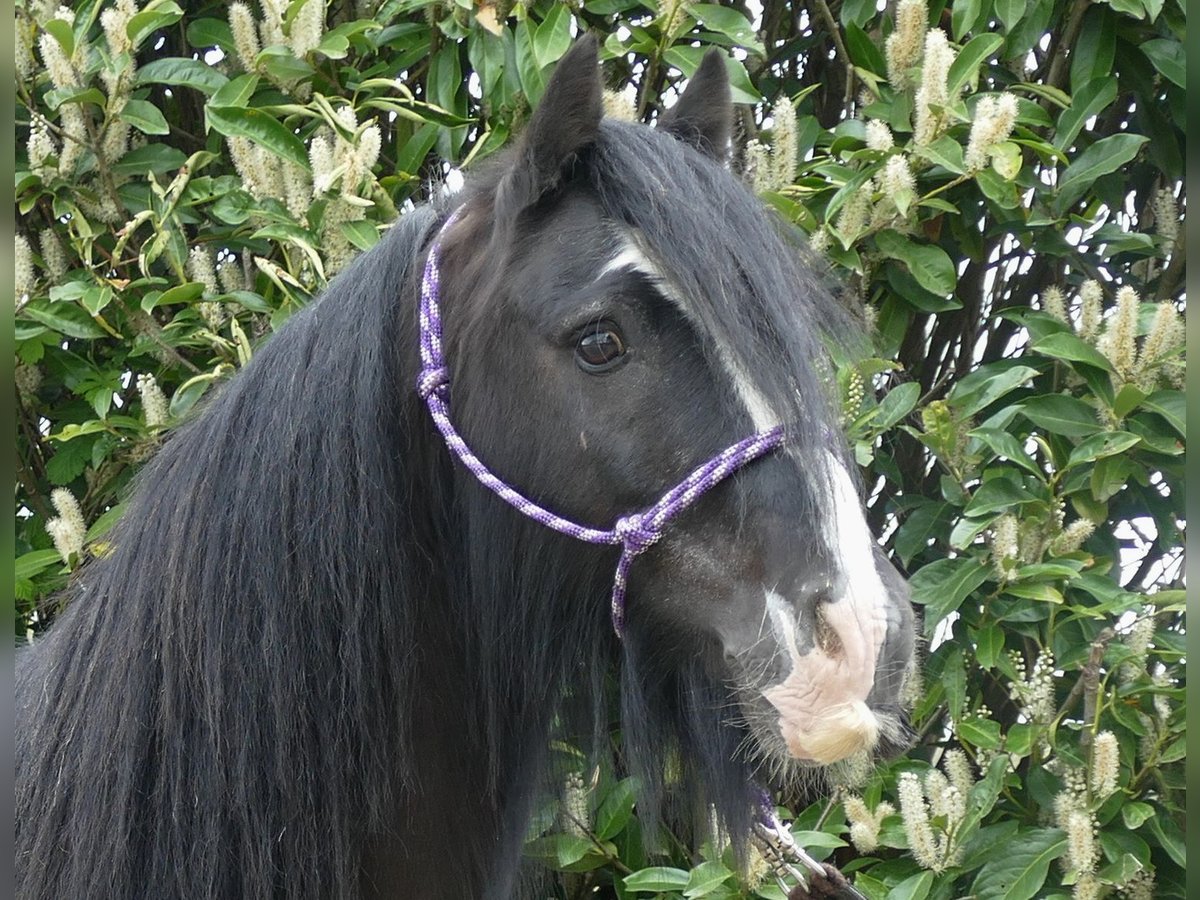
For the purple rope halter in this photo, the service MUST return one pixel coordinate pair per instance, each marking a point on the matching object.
(635, 533)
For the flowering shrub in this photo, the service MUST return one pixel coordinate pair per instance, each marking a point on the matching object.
(996, 186)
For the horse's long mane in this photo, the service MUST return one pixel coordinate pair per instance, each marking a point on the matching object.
(237, 660)
(225, 708)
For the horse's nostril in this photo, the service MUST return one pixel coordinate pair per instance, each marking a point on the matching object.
(826, 636)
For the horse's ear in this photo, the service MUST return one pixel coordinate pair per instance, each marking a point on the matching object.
(566, 121)
(703, 116)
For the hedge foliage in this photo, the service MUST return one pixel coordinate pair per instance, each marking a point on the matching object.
(996, 182)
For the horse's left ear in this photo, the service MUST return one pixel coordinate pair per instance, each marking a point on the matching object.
(566, 121)
(703, 116)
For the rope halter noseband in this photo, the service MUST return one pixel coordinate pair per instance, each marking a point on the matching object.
(634, 533)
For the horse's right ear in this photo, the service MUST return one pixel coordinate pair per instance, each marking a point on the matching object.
(566, 121)
(703, 115)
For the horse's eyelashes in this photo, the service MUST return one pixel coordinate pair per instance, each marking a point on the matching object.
(600, 348)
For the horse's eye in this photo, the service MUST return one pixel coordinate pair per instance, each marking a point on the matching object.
(600, 348)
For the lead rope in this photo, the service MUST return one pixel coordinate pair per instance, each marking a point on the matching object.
(634, 533)
(815, 879)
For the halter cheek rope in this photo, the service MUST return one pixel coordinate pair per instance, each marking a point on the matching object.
(635, 533)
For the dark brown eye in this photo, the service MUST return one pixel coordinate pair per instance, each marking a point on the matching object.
(600, 348)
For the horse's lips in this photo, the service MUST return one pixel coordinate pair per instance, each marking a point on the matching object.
(823, 715)
(837, 734)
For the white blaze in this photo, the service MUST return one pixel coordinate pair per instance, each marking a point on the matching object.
(822, 703)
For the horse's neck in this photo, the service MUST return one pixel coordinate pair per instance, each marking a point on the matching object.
(462, 803)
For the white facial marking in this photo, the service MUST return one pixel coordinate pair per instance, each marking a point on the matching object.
(851, 544)
(783, 622)
(823, 715)
(631, 256)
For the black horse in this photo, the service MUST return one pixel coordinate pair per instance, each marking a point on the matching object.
(322, 661)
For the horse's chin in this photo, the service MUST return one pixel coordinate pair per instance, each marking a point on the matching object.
(844, 752)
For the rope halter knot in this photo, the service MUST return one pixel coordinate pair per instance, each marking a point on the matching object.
(433, 381)
(636, 532)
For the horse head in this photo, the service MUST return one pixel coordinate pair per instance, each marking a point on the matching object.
(620, 309)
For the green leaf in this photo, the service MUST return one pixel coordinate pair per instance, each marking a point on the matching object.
(1037, 591)
(1170, 838)
(687, 60)
(963, 15)
(1109, 476)
(282, 65)
(559, 850)
(1171, 406)
(1005, 445)
(1007, 160)
(1067, 346)
(997, 495)
(235, 93)
(553, 35)
(145, 117)
(1095, 96)
(1115, 842)
(533, 83)
(104, 523)
(863, 50)
(28, 565)
(1096, 446)
(986, 385)
(190, 392)
(989, 644)
(929, 265)
(920, 526)
(151, 19)
(1010, 12)
(156, 157)
(261, 128)
(1019, 867)
(730, 23)
(203, 33)
(61, 31)
(1169, 58)
(57, 97)
(614, 813)
(943, 585)
(896, 404)
(979, 732)
(362, 234)
(705, 877)
(902, 283)
(656, 879)
(954, 682)
(69, 461)
(915, 887)
(1103, 157)
(416, 148)
(416, 111)
(1061, 414)
(96, 298)
(1127, 400)
(820, 839)
(1135, 813)
(182, 293)
(188, 72)
(945, 152)
(966, 63)
(64, 318)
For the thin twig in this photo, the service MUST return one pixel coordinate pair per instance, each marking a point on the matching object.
(835, 32)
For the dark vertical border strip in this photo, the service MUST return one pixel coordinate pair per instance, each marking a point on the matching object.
(1192, 468)
(7, 535)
